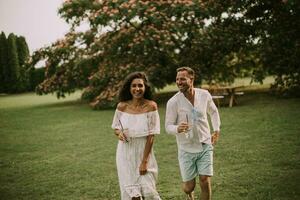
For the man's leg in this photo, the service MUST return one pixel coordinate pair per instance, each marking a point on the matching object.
(188, 187)
(205, 185)
(188, 171)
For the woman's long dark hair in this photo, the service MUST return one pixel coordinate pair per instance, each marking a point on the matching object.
(125, 95)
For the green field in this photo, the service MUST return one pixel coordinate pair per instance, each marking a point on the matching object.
(62, 149)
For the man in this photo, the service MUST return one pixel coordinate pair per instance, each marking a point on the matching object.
(186, 117)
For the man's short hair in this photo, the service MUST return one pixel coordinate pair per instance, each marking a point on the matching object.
(190, 71)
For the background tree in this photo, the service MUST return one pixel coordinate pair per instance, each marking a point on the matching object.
(273, 29)
(36, 76)
(23, 51)
(13, 68)
(3, 62)
(23, 55)
(280, 46)
(219, 39)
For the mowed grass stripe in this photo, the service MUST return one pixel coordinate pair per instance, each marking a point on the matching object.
(61, 149)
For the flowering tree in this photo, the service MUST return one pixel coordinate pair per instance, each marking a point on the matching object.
(211, 36)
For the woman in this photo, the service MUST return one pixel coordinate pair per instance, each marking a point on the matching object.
(136, 121)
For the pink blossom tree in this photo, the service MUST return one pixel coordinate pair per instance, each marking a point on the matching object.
(211, 36)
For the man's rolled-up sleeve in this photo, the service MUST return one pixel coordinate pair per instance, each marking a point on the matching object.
(214, 114)
(171, 118)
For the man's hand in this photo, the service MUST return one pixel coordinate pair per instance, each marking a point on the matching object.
(215, 137)
(183, 127)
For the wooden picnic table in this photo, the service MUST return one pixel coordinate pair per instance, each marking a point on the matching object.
(230, 91)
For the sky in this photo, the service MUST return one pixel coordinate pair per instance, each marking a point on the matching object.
(37, 20)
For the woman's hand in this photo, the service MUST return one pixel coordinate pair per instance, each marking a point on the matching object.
(121, 135)
(143, 168)
(183, 127)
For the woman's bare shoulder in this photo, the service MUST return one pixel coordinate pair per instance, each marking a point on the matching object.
(122, 106)
(151, 105)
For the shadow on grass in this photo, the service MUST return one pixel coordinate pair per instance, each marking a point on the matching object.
(71, 103)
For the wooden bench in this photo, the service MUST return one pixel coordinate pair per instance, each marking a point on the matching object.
(217, 99)
(237, 93)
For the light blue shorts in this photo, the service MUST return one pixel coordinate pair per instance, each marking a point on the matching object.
(195, 164)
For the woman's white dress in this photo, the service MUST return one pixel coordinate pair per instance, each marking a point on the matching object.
(130, 154)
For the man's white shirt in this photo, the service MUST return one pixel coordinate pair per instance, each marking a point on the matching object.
(180, 109)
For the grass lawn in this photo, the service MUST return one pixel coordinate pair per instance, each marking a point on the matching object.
(61, 149)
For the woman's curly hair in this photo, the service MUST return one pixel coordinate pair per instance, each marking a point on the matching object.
(125, 94)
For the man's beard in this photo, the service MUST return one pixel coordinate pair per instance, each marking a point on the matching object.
(184, 89)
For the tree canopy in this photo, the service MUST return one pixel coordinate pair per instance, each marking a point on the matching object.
(219, 39)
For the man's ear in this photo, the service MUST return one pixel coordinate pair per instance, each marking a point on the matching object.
(192, 79)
